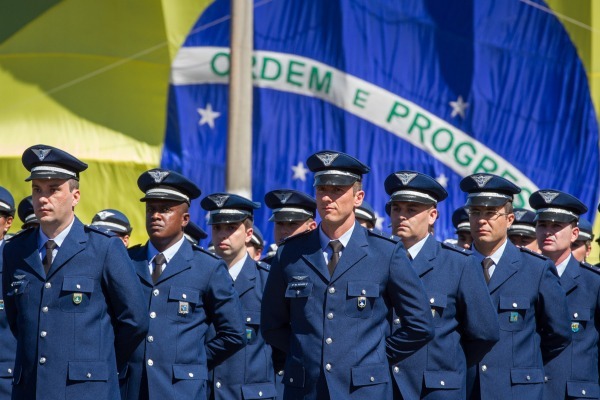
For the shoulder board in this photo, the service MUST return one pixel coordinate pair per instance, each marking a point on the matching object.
(20, 233)
(589, 266)
(135, 247)
(287, 239)
(461, 250)
(91, 228)
(391, 238)
(263, 265)
(200, 249)
(533, 253)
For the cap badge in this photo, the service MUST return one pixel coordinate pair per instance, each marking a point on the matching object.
(283, 197)
(549, 196)
(520, 214)
(219, 200)
(158, 176)
(104, 214)
(327, 158)
(41, 153)
(405, 178)
(481, 180)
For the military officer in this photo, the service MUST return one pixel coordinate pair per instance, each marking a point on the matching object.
(331, 291)
(365, 215)
(460, 220)
(460, 305)
(8, 343)
(522, 232)
(194, 233)
(72, 298)
(113, 221)
(525, 291)
(256, 245)
(582, 247)
(26, 213)
(574, 372)
(186, 289)
(249, 373)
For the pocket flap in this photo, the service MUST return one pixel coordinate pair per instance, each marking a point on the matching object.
(252, 317)
(293, 374)
(6, 369)
(579, 313)
(18, 287)
(259, 391)
(298, 289)
(370, 374)
(189, 371)
(88, 371)
(583, 390)
(437, 300)
(514, 303)
(179, 293)
(442, 380)
(526, 375)
(367, 289)
(82, 284)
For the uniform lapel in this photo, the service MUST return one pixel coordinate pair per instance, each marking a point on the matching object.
(507, 266)
(246, 280)
(74, 243)
(568, 280)
(32, 255)
(180, 262)
(314, 254)
(423, 262)
(353, 253)
(139, 257)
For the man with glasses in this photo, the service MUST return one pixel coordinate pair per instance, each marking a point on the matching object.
(574, 373)
(460, 305)
(525, 291)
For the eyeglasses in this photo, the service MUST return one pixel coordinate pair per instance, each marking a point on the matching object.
(487, 215)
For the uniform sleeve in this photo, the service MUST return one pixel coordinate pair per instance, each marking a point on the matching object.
(409, 300)
(222, 305)
(478, 319)
(126, 301)
(552, 314)
(9, 299)
(275, 314)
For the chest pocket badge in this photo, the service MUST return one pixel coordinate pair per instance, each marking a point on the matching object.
(184, 308)
(77, 298)
(575, 326)
(362, 302)
(1, 305)
(514, 316)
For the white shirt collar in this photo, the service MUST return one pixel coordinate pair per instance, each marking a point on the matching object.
(495, 256)
(59, 239)
(560, 268)
(168, 253)
(416, 248)
(236, 268)
(344, 239)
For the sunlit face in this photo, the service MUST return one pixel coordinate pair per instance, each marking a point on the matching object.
(284, 229)
(230, 239)
(411, 221)
(489, 225)
(580, 250)
(165, 221)
(554, 238)
(5, 223)
(53, 201)
(336, 204)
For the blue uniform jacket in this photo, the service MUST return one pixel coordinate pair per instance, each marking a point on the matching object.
(8, 347)
(249, 373)
(193, 291)
(462, 310)
(337, 329)
(532, 311)
(574, 373)
(78, 324)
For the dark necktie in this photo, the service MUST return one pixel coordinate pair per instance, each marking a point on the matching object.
(337, 247)
(487, 263)
(159, 261)
(50, 246)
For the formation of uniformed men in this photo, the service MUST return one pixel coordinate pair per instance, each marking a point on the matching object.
(338, 310)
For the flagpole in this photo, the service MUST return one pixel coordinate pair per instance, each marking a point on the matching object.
(239, 132)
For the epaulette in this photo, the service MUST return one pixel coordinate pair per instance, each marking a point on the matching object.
(287, 239)
(263, 265)
(533, 253)
(461, 250)
(200, 249)
(22, 231)
(390, 238)
(94, 228)
(589, 266)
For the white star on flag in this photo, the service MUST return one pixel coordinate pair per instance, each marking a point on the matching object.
(379, 221)
(442, 180)
(208, 116)
(458, 107)
(300, 171)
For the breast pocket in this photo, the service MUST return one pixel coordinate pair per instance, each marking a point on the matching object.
(580, 317)
(252, 326)
(76, 293)
(512, 312)
(182, 302)
(437, 303)
(360, 299)
(298, 293)
(20, 291)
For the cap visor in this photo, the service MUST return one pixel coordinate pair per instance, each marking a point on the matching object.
(288, 217)
(226, 218)
(50, 175)
(410, 198)
(521, 232)
(158, 196)
(556, 217)
(334, 180)
(485, 201)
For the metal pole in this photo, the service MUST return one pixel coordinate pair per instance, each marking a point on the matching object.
(239, 133)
